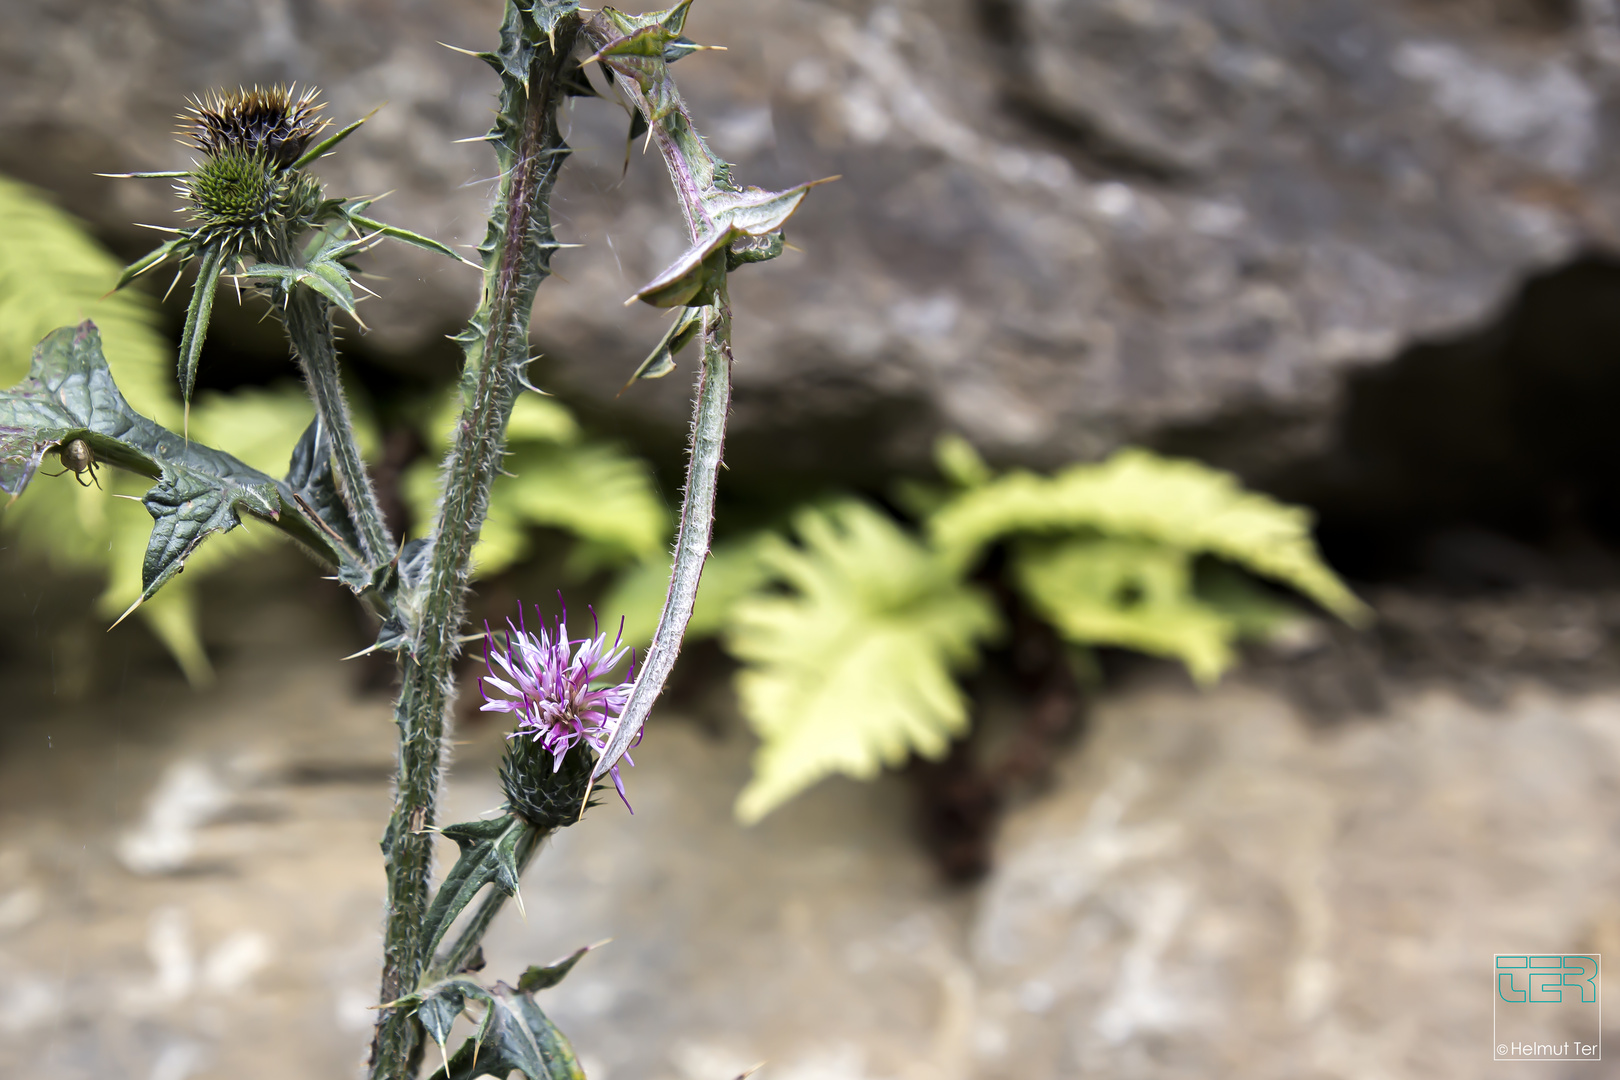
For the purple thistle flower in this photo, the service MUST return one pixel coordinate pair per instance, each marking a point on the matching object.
(553, 684)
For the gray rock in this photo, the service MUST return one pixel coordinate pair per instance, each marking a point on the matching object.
(1061, 225)
(1213, 887)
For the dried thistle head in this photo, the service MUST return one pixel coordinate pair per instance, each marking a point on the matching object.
(275, 122)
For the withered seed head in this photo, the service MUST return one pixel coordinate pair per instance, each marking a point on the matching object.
(277, 122)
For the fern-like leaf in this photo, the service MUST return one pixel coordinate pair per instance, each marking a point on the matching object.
(556, 477)
(1181, 505)
(733, 570)
(1131, 594)
(853, 668)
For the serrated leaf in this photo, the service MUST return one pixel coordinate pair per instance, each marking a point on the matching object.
(70, 394)
(209, 268)
(515, 1035)
(488, 857)
(1131, 594)
(1134, 494)
(853, 669)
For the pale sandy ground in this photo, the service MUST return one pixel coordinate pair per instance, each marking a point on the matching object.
(190, 884)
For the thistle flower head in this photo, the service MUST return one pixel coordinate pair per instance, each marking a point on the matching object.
(275, 123)
(564, 694)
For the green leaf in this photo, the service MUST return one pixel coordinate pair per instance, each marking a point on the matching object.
(69, 394)
(538, 978)
(327, 145)
(736, 215)
(394, 232)
(311, 479)
(513, 1036)
(547, 13)
(1133, 594)
(960, 463)
(1181, 505)
(691, 279)
(489, 856)
(209, 268)
(323, 274)
(680, 334)
(852, 669)
(179, 247)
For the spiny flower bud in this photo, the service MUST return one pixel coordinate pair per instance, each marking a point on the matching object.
(276, 123)
(565, 697)
(239, 201)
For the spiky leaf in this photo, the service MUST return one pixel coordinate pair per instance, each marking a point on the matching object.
(661, 361)
(311, 479)
(70, 394)
(198, 311)
(853, 668)
(489, 856)
(514, 1036)
(543, 977)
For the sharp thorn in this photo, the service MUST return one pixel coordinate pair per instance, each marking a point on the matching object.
(128, 612)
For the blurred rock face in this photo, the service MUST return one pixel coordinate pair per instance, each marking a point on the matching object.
(1060, 225)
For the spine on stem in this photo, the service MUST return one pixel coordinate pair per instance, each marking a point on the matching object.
(517, 252)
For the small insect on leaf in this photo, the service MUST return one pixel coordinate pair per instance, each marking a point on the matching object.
(77, 458)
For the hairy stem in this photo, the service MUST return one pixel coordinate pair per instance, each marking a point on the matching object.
(696, 172)
(309, 326)
(515, 264)
(696, 528)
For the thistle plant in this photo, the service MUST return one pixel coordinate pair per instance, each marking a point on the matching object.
(258, 218)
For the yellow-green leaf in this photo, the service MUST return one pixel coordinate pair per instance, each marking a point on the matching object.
(853, 668)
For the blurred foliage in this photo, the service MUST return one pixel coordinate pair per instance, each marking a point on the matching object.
(555, 476)
(53, 274)
(850, 638)
(851, 667)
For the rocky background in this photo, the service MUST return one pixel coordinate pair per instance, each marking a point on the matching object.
(1061, 225)
(1359, 250)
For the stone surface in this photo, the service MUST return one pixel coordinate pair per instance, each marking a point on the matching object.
(1215, 886)
(1060, 225)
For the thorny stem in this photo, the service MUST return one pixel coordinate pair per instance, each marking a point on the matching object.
(489, 390)
(308, 318)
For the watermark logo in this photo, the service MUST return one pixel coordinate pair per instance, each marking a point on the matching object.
(1547, 1007)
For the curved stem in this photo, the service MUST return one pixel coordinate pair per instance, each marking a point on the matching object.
(697, 526)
